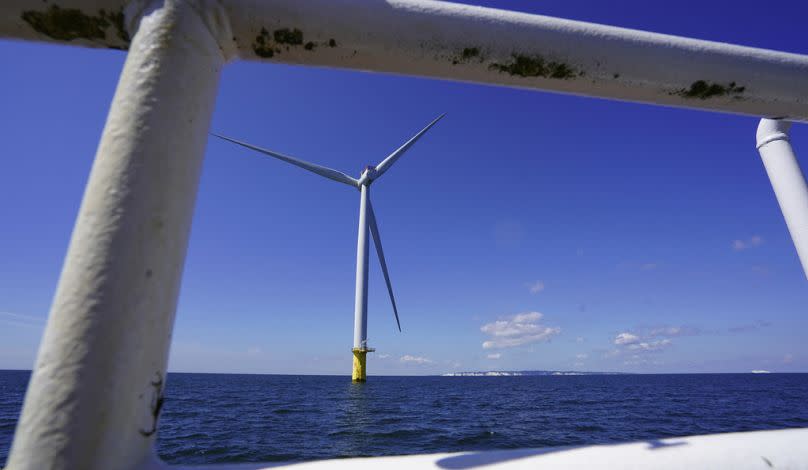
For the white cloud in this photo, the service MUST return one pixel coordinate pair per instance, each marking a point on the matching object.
(752, 242)
(517, 330)
(632, 346)
(649, 345)
(494, 356)
(415, 359)
(666, 331)
(579, 339)
(536, 287)
(582, 356)
(673, 331)
(626, 338)
(788, 358)
(648, 266)
(382, 356)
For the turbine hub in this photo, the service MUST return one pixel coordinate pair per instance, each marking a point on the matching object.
(368, 174)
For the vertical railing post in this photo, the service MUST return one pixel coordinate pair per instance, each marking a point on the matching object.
(787, 180)
(96, 390)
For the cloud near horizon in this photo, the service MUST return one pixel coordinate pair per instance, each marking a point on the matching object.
(407, 359)
(536, 287)
(751, 242)
(634, 344)
(674, 331)
(626, 338)
(517, 330)
(649, 345)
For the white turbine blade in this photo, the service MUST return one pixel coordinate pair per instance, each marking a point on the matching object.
(388, 162)
(314, 168)
(374, 230)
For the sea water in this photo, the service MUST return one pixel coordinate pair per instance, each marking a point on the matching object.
(209, 418)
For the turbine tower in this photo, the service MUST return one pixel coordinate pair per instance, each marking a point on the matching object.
(367, 221)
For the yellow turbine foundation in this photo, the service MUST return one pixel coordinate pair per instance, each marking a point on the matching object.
(359, 365)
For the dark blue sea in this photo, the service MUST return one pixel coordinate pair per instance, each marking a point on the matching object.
(211, 418)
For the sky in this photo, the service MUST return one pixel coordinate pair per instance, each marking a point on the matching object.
(525, 231)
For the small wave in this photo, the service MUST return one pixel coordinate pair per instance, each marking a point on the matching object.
(589, 428)
(477, 438)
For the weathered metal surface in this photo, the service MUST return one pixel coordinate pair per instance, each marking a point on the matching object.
(359, 372)
(468, 43)
(787, 180)
(96, 391)
(91, 23)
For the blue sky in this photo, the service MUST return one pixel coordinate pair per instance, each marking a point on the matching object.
(589, 234)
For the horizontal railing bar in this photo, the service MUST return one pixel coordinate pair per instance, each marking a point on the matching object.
(472, 44)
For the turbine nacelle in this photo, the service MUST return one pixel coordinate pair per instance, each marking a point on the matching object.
(368, 175)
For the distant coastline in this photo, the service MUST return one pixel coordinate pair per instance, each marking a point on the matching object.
(490, 373)
(516, 373)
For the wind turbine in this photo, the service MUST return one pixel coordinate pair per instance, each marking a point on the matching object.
(367, 220)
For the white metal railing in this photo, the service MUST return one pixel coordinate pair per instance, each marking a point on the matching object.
(787, 180)
(460, 42)
(96, 390)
